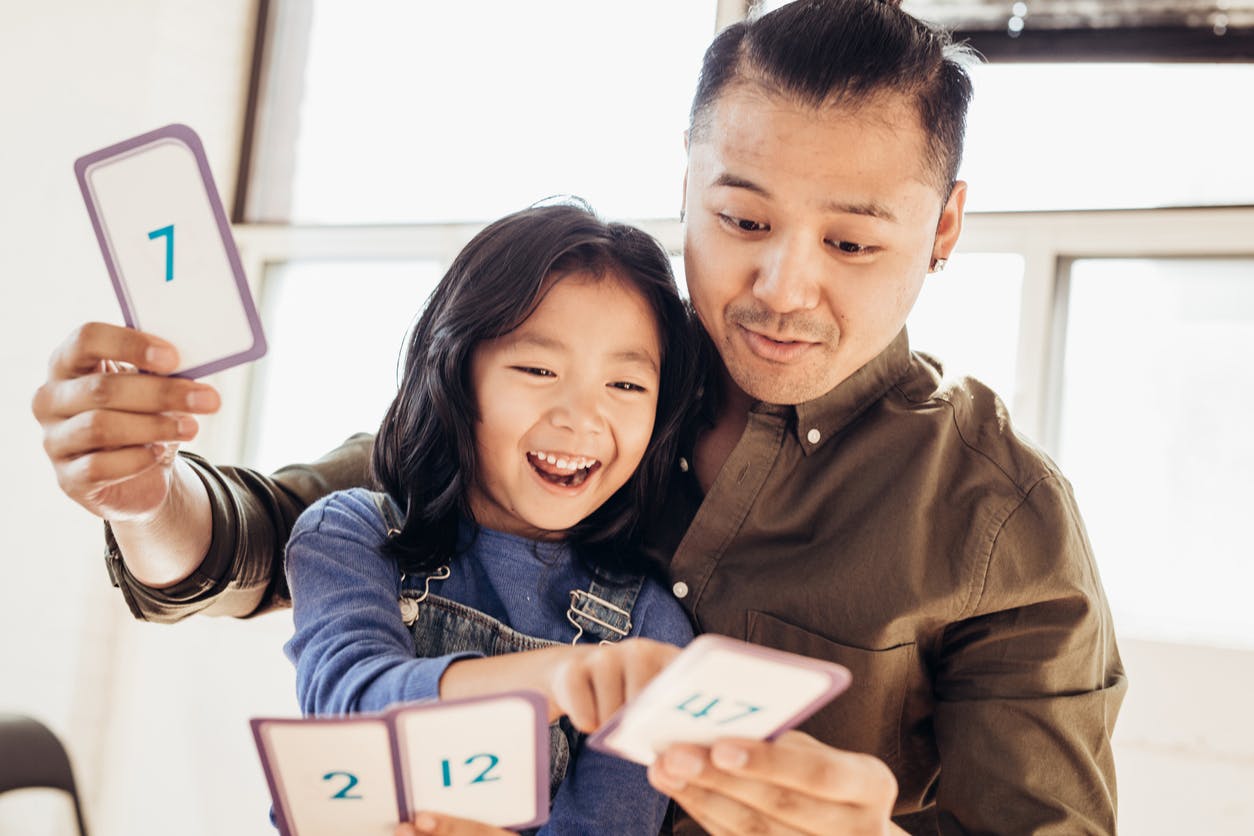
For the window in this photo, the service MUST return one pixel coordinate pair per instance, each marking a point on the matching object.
(1109, 136)
(1155, 436)
(439, 112)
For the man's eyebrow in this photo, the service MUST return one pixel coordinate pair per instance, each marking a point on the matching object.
(870, 209)
(626, 355)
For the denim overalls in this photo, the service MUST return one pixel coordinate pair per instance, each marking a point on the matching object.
(441, 626)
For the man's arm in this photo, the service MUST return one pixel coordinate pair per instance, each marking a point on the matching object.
(195, 537)
(1029, 685)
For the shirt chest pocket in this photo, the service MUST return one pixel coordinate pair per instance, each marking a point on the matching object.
(867, 717)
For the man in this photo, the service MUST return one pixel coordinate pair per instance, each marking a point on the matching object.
(843, 501)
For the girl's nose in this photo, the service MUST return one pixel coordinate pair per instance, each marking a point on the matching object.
(578, 410)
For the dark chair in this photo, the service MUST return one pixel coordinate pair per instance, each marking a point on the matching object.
(32, 756)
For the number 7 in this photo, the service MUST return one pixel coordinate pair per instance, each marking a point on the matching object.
(168, 232)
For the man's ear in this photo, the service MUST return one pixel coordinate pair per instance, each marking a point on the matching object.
(949, 227)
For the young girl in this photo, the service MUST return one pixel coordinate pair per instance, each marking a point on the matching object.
(535, 425)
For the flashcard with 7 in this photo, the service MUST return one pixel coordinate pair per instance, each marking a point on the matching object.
(169, 250)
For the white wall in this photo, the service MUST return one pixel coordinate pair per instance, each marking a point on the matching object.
(167, 750)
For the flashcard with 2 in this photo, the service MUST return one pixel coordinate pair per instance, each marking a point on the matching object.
(169, 250)
(720, 687)
(485, 758)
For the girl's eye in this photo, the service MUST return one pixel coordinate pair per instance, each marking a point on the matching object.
(535, 371)
(628, 387)
(744, 224)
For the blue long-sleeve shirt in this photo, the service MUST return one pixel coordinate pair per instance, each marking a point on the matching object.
(353, 652)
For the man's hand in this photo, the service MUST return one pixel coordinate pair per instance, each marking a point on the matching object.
(111, 436)
(792, 785)
(432, 824)
(590, 686)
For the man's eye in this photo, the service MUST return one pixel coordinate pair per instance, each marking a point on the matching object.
(853, 248)
(744, 224)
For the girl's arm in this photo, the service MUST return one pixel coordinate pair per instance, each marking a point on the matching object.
(351, 648)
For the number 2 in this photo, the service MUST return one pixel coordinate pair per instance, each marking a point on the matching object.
(168, 233)
(352, 782)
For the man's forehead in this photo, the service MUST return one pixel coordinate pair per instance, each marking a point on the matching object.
(755, 138)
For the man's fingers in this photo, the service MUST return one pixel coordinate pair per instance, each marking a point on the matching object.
(725, 815)
(747, 804)
(139, 393)
(82, 352)
(99, 470)
(107, 430)
(792, 782)
(796, 761)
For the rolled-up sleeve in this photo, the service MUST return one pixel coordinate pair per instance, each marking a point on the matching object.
(1029, 684)
(253, 514)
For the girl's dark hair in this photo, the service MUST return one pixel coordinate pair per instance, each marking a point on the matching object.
(824, 52)
(424, 454)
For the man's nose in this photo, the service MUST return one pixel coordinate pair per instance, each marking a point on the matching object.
(789, 277)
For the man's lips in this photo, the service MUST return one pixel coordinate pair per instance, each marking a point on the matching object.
(772, 349)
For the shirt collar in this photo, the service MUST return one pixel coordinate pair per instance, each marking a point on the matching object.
(825, 416)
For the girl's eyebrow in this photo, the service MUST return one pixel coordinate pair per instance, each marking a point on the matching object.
(626, 355)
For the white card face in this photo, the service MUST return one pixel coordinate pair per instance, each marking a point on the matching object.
(484, 759)
(169, 250)
(331, 777)
(718, 688)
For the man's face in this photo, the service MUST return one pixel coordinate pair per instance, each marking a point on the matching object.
(808, 235)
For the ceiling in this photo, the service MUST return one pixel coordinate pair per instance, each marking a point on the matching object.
(994, 15)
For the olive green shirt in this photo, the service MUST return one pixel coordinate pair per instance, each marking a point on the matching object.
(896, 525)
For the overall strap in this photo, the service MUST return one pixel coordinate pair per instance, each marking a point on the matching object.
(390, 511)
(603, 610)
(392, 518)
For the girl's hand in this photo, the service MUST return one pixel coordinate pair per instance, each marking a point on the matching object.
(433, 824)
(590, 685)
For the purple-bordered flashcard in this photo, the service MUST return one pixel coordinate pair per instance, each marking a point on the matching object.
(720, 687)
(169, 250)
(483, 758)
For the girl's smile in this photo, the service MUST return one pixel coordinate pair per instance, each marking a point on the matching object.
(566, 404)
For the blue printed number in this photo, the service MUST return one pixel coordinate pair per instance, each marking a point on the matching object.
(352, 782)
(698, 707)
(168, 233)
(481, 778)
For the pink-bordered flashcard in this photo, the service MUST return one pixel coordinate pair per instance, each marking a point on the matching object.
(169, 250)
(483, 758)
(720, 687)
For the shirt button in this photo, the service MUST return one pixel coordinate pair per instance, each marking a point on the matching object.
(683, 465)
(813, 436)
(680, 589)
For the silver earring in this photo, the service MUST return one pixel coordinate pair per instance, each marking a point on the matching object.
(938, 264)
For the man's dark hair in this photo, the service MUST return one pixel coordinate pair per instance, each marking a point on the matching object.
(821, 53)
(424, 454)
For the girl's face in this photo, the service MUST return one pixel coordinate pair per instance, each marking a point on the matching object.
(566, 405)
